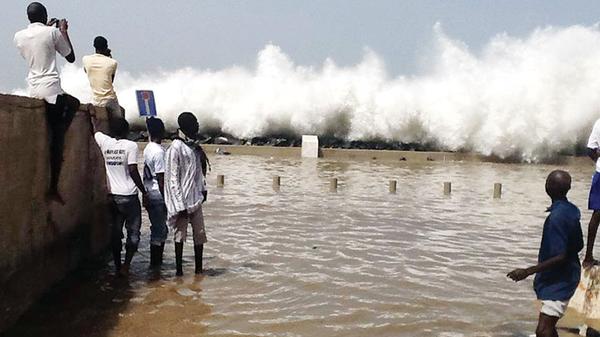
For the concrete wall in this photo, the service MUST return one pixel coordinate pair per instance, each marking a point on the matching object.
(40, 242)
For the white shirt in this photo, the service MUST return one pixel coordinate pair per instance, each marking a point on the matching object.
(594, 141)
(154, 163)
(38, 45)
(101, 70)
(184, 181)
(118, 155)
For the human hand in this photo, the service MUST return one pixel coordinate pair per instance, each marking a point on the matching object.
(518, 274)
(63, 25)
(52, 22)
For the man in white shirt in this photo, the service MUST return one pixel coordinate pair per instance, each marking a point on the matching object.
(38, 44)
(124, 182)
(154, 180)
(101, 69)
(185, 189)
(594, 197)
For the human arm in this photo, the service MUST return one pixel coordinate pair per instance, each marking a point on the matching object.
(135, 176)
(521, 274)
(594, 154)
(161, 183)
(63, 27)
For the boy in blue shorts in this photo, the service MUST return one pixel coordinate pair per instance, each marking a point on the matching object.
(558, 269)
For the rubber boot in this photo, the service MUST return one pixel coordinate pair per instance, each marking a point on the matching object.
(129, 252)
(179, 258)
(161, 251)
(117, 259)
(198, 256)
(154, 251)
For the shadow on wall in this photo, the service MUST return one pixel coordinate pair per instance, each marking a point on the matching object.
(41, 242)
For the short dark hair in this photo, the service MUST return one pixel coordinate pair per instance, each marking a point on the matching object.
(118, 127)
(558, 183)
(36, 12)
(188, 123)
(156, 127)
(100, 43)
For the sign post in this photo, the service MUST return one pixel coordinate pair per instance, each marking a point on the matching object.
(146, 103)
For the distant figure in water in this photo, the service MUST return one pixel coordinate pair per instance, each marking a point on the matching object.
(101, 69)
(594, 198)
(38, 44)
(124, 182)
(558, 269)
(185, 189)
(154, 180)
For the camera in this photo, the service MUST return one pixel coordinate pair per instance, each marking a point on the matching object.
(54, 22)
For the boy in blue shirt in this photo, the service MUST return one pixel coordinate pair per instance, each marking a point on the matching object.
(558, 269)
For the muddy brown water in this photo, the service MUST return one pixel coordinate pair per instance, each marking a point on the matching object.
(307, 262)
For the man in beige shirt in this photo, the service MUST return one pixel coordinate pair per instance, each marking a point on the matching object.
(101, 68)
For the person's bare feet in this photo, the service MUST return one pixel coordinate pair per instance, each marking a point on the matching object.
(589, 262)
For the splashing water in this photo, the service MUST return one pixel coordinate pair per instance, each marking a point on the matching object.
(529, 97)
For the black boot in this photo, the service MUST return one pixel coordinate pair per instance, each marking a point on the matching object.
(117, 259)
(179, 258)
(161, 251)
(129, 252)
(198, 256)
(154, 251)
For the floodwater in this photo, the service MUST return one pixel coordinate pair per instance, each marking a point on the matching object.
(307, 262)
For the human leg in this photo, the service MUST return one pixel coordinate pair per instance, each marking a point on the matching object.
(157, 212)
(116, 230)
(132, 209)
(546, 326)
(180, 234)
(199, 234)
(594, 205)
(59, 116)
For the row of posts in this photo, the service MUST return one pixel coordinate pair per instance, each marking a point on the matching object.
(393, 184)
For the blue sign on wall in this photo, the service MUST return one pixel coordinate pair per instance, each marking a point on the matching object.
(146, 104)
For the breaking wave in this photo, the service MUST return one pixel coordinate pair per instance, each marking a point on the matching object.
(529, 97)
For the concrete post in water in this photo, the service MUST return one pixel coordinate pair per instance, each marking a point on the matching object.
(497, 191)
(220, 180)
(333, 184)
(276, 183)
(447, 188)
(392, 186)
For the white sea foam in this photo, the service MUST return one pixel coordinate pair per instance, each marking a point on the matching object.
(530, 96)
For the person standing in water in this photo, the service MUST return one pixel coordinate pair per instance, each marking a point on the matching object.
(185, 189)
(124, 184)
(558, 270)
(154, 180)
(594, 196)
(38, 44)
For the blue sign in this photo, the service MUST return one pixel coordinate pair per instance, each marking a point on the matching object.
(146, 104)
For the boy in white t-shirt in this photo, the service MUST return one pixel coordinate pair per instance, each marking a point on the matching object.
(154, 180)
(124, 182)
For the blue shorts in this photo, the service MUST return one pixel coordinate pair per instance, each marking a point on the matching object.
(594, 200)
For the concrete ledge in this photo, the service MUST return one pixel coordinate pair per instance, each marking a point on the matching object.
(352, 154)
(40, 242)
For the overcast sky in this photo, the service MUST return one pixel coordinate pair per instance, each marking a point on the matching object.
(151, 34)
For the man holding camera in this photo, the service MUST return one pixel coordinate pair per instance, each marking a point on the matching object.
(38, 44)
(101, 69)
